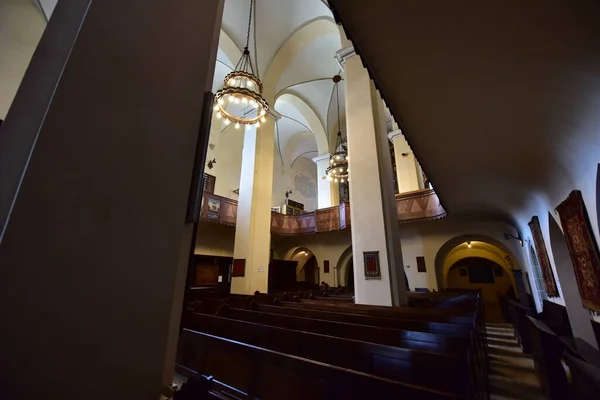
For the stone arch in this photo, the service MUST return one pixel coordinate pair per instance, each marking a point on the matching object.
(307, 33)
(447, 247)
(292, 255)
(314, 123)
(342, 266)
(579, 316)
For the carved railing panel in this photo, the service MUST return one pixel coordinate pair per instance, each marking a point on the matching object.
(413, 206)
(419, 205)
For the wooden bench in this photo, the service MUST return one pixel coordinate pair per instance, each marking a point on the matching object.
(401, 364)
(267, 374)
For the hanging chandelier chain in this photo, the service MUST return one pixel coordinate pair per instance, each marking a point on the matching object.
(249, 24)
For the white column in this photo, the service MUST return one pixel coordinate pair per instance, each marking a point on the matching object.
(372, 200)
(96, 162)
(408, 172)
(253, 226)
(324, 188)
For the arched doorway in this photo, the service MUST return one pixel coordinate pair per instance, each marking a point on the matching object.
(476, 264)
(307, 267)
(489, 277)
(350, 273)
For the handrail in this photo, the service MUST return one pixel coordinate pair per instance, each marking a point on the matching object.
(418, 205)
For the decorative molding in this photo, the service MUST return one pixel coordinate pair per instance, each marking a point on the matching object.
(344, 54)
(394, 135)
(322, 157)
(274, 114)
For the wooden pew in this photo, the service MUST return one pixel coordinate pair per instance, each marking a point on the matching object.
(401, 364)
(267, 374)
(585, 378)
(547, 350)
(521, 324)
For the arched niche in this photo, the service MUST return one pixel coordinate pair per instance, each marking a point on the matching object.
(341, 267)
(579, 316)
(305, 258)
(451, 244)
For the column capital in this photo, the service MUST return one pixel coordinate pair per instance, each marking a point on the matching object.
(393, 135)
(274, 114)
(321, 157)
(344, 54)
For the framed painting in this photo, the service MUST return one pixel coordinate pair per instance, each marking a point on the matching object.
(238, 267)
(372, 267)
(214, 208)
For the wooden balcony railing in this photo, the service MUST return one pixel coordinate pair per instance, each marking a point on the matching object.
(412, 206)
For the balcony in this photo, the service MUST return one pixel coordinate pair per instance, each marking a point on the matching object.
(419, 205)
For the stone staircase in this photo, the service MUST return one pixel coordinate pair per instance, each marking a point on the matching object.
(512, 374)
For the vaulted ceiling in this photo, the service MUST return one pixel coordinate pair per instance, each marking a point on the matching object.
(292, 44)
(499, 99)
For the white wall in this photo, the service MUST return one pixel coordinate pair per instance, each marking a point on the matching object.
(21, 26)
(225, 145)
(426, 238)
(301, 178)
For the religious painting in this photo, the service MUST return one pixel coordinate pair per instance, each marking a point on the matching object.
(214, 208)
(582, 247)
(326, 266)
(372, 268)
(542, 253)
(238, 267)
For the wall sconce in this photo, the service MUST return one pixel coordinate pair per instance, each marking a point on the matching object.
(211, 163)
(404, 154)
(508, 236)
(287, 193)
(469, 244)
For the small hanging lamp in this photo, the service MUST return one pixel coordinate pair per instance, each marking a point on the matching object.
(240, 101)
(337, 170)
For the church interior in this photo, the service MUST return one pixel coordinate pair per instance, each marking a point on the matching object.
(284, 199)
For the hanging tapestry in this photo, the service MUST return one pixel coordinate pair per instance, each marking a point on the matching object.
(372, 269)
(582, 247)
(540, 248)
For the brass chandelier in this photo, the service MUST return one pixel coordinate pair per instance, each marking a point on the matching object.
(240, 101)
(338, 170)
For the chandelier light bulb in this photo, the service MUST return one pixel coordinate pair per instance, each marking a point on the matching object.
(219, 115)
(336, 179)
(255, 105)
(230, 98)
(221, 101)
(263, 120)
(237, 101)
(342, 180)
(216, 107)
(252, 102)
(249, 84)
(227, 122)
(237, 125)
(245, 100)
(257, 124)
(263, 112)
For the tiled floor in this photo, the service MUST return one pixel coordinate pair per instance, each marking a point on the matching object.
(512, 374)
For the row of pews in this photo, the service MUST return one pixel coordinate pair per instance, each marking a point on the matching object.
(548, 338)
(295, 346)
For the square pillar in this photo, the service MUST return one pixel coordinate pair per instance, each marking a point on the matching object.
(408, 171)
(96, 159)
(253, 225)
(372, 199)
(325, 189)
